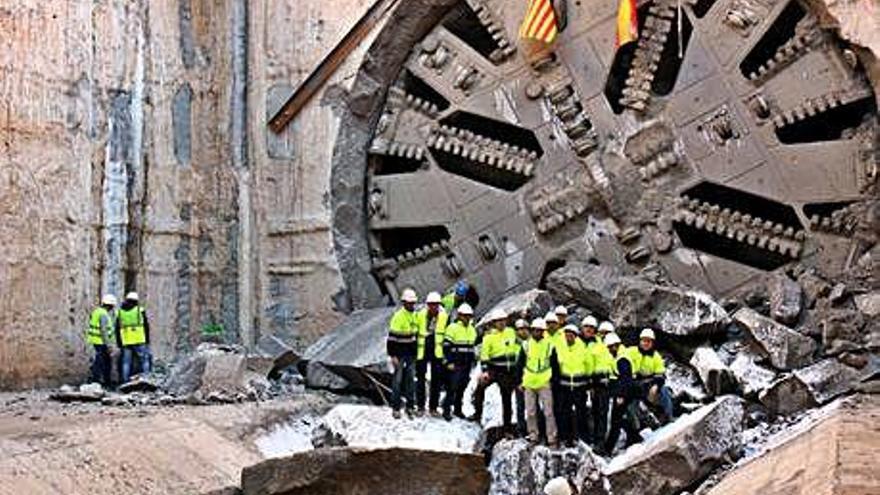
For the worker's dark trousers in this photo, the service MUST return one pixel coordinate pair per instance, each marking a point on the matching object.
(573, 413)
(521, 428)
(457, 382)
(144, 361)
(403, 382)
(437, 379)
(599, 412)
(506, 384)
(622, 418)
(102, 365)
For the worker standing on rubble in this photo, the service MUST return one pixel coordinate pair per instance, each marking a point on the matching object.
(625, 393)
(402, 348)
(539, 362)
(498, 357)
(133, 337)
(458, 356)
(432, 327)
(557, 339)
(599, 378)
(101, 327)
(575, 368)
(522, 336)
(651, 372)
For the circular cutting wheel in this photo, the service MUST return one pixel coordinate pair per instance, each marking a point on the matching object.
(733, 139)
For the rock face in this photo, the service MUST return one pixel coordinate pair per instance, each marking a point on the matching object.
(715, 375)
(529, 304)
(785, 299)
(352, 350)
(633, 302)
(785, 348)
(351, 471)
(837, 456)
(681, 453)
(374, 427)
(518, 468)
(811, 386)
(868, 304)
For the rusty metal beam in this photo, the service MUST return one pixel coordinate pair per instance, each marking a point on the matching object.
(330, 64)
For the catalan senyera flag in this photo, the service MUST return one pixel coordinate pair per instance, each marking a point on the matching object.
(627, 23)
(540, 22)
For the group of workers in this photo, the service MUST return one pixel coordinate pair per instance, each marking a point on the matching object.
(128, 327)
(571, 374)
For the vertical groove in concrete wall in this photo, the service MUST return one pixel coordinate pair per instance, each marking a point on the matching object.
(181, 117)
(114, 193)
(187, 44)
(236, 297)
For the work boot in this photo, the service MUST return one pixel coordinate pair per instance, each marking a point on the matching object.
(410, 413)
(447, 416)
(533, 440)
(459, 414)
(475, 418)
(419, 413)
(434, 413)
(396, 414)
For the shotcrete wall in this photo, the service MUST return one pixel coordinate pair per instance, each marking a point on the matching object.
(135, 156)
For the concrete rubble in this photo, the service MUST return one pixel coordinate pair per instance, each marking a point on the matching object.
(751, 376)
(717, 378)
(680, 453)
(785, 299)
(529, 304)
(785, 348)
(811, 386)
(518, 468)
(350, 471)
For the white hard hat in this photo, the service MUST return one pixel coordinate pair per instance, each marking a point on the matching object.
(132, 296)
(108, 300)
(496, 314)
(409, 296)
(539, 323)
(571, 328)
(557, 486)
(606, 326)
(520, 323)
(590, 321)
(647, 334)
(433, 298)
(611, 339)
(561, 311)
(551, 316)
(466, 309)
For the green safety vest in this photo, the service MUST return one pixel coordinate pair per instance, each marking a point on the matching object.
(500, 349)
(94, 335)
(603, 362)
(403, 327)
(131, 326)
(646, 365)
(575, 364)
(442, 318)
(537, 373)
(448, 301)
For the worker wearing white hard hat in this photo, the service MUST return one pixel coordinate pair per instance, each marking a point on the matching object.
(650, 369)
(99, 335)
(605, 328)
(499, 353)
(625, 392)
(575, 367)
(561, 312)
(522, 337)
(537, 362)
(432, 320)
(458, 358)
(600, 376)
(402, 347)
(133, 337)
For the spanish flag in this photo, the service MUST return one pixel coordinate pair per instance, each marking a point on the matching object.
(540, 22)
(627, 23)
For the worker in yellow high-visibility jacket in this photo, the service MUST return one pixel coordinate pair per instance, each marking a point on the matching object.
(499, 354)
(99, 336)
(538, 362)
(432, 320)
(575, 368)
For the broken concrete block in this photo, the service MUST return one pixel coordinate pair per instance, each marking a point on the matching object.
(684, 383)
(354, 350)
(672, 310)
(211, 368)
(715, 375)
(751, 376)
(681, 453)
(139, 384)
(810, 387)
(785, 299)
(281, 355)
(528, 305)
(92, 392)
(868, 304)
(785, 348)
(585, 284)
(346, 470)
(842, 331)
(520, 468)
(374, 427)
(814, 288)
